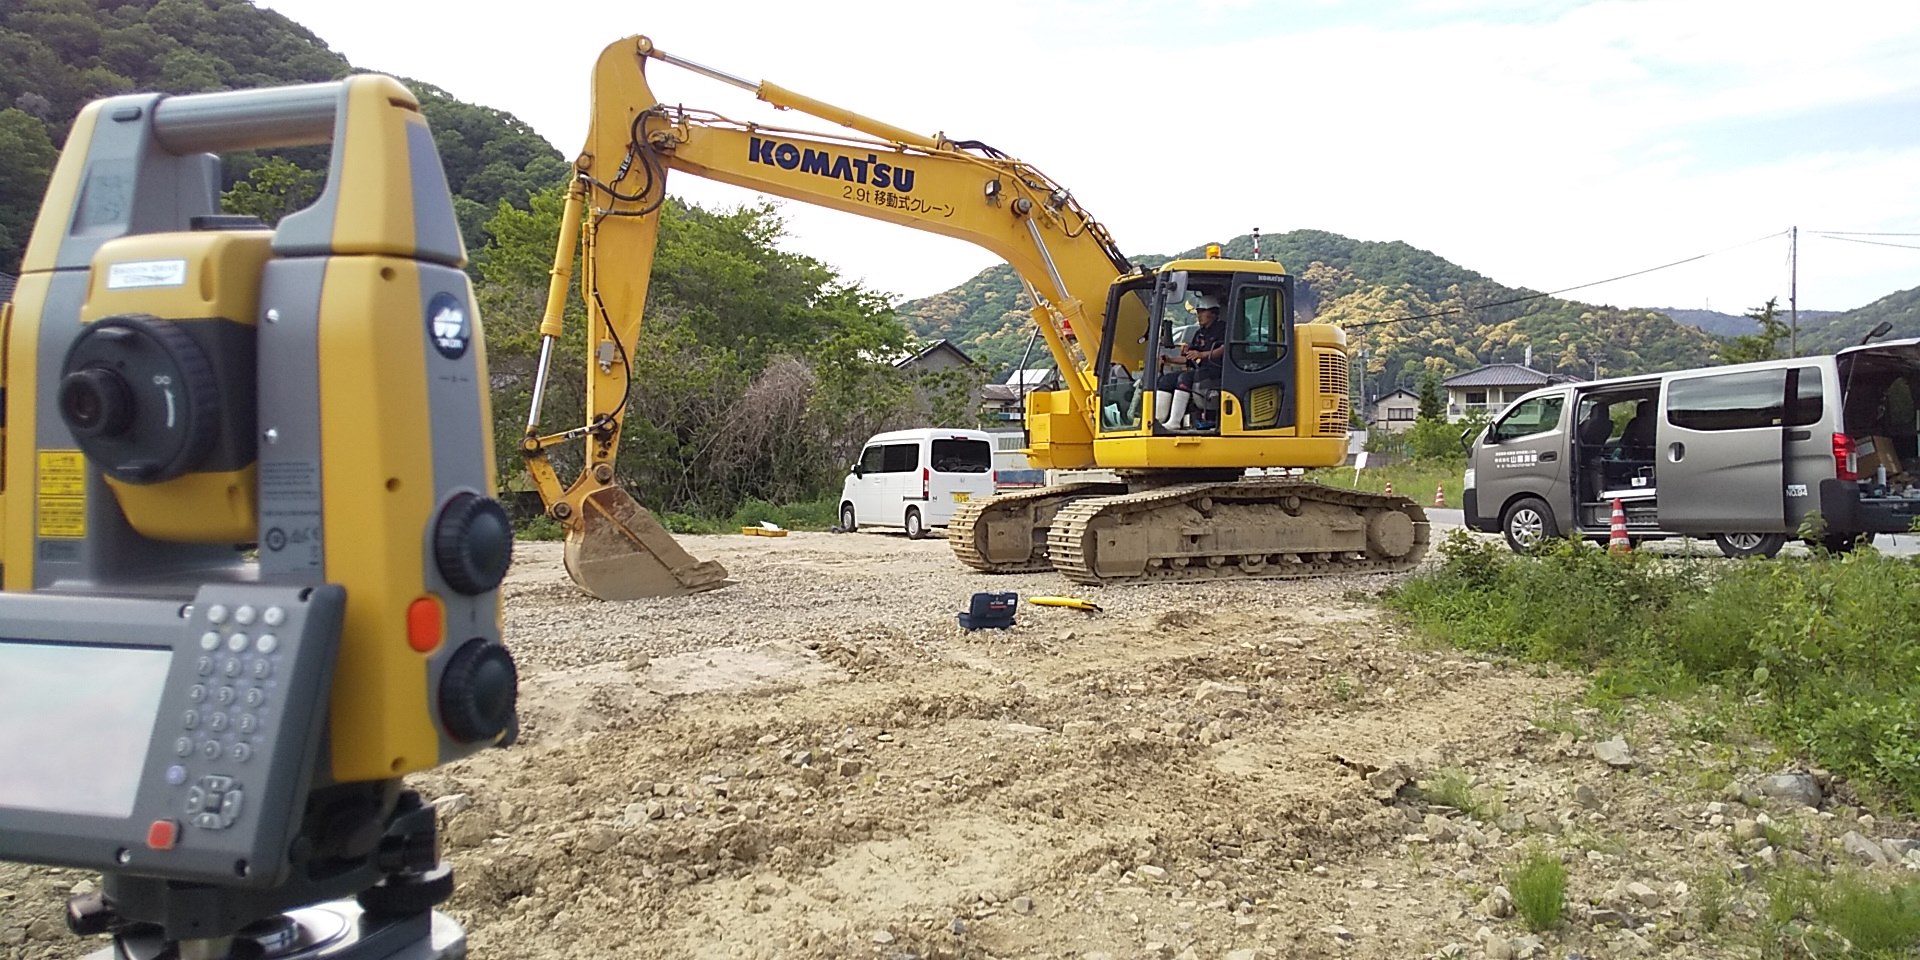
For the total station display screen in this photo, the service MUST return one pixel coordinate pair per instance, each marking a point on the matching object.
(75, 724)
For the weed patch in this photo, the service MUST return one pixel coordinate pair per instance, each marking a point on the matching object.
(1822, 648)
(1453, 788)
(1539, 888)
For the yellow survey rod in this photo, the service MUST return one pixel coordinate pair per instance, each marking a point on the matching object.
(1075, 603)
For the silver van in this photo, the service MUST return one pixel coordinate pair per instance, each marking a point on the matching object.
(1739, 454)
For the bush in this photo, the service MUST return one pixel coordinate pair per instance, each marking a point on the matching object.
(1435, 440)
(1824, 644)
(808, 515)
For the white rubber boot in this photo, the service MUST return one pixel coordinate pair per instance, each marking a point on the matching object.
(1180, 400)
(1162, 402)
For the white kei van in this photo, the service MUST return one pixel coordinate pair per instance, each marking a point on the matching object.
(913, 479)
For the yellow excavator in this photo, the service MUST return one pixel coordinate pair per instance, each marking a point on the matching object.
(1164, 447)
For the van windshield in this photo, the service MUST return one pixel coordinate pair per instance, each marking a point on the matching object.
(962, 456)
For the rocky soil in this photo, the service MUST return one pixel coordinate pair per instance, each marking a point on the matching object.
(819, 762)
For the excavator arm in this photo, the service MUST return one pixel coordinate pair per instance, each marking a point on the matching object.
(616, 549)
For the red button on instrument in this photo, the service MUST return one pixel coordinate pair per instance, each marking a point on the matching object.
(162, 834)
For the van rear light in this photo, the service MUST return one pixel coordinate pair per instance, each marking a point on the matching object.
(995, 474)
(926, 483)
(1845, 465)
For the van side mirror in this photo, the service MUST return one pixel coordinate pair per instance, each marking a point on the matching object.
(857, 470)
(1466, 439)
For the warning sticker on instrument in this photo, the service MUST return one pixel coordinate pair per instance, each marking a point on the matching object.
(63, 473)
(63, 494)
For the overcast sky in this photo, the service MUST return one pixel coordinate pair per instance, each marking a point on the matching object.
(1544, 143)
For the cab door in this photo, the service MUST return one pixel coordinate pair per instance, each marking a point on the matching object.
(1256, 372)
(1719, 451)
(1524, 453)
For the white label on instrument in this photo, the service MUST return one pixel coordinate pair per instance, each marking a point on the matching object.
(146, 273)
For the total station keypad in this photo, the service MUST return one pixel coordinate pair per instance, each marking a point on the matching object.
(224, 712)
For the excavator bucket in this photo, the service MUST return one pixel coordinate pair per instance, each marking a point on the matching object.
(620, 552)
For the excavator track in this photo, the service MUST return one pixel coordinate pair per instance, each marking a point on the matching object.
(1008, 533)
(1254, 529)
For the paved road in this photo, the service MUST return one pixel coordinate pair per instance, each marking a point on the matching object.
(1904, 545)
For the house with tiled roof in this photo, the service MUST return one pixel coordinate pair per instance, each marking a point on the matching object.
(1489, 389)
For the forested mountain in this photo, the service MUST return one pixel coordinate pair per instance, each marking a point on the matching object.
(1713, 321)
(1425, 313)
(1844, 330)
(56, 55)
(1728, 325)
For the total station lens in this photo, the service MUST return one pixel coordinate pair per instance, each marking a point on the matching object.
(95, 402)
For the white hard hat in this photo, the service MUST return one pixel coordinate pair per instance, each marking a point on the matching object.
(1206, 301)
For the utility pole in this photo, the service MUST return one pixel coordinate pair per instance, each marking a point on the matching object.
(1361, 405)
(1793, 291)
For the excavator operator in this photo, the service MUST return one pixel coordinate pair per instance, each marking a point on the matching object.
(1202, 354)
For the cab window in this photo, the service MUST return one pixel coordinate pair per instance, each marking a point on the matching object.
(1530, 417)
(1256, 342)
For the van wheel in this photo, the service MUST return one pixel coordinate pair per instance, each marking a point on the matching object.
(915, 527)
(846, 518)
(1750, 544)
(1529, 525)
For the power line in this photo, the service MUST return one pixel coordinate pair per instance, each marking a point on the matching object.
(1555, 293)
(1877, 243)
(1860, 233)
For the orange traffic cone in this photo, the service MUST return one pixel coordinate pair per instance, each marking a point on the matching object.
(1440, 494)
(1389, 488)
(1617, 541)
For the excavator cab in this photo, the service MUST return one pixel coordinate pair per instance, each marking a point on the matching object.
(1250, 382)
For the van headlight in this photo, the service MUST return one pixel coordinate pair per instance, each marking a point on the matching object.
(1466, 482)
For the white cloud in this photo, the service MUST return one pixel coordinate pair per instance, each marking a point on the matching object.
(1541, 148)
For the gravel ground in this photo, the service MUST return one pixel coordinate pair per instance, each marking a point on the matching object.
(818, 762)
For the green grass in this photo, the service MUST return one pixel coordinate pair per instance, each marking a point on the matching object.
(1818, 653)
(1454, 788)
(1539, 888)
(1415, 479)
(807, 515)
(1879, 920)
(1711, 896)
(1851, 914)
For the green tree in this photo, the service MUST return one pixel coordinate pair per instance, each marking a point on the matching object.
(273, 190)
(26, 160)
(1433, 404)
(1763, 344)
(756, 374)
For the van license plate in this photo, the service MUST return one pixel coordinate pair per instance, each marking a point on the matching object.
(960, 496)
